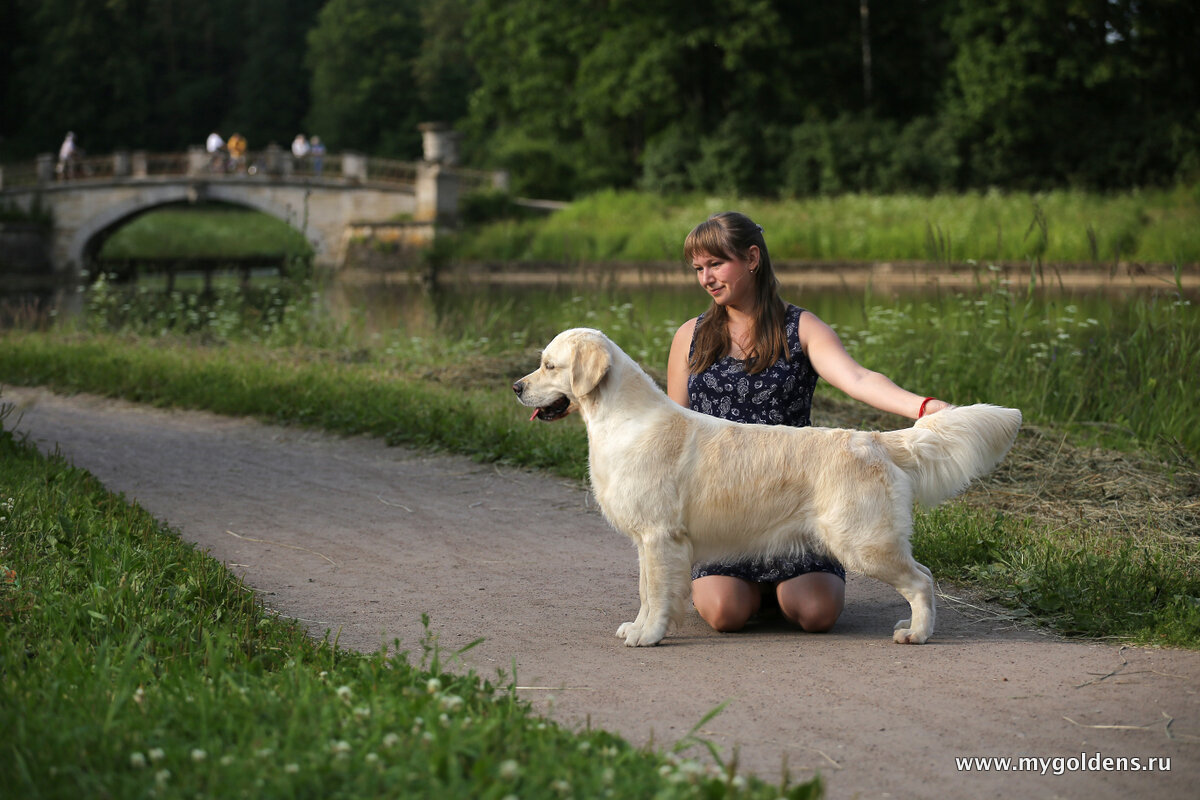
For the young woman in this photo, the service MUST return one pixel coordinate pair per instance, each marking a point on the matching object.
(753, 358)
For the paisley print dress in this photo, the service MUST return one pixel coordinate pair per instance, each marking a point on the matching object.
(779, 395)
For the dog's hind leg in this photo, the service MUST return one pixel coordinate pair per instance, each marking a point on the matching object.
(917, 588)
(666, 571)
(889, 558)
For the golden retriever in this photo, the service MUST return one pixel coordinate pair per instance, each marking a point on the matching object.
(686, 486)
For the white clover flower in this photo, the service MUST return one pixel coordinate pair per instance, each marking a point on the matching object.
(156, 754)
(509, 770)
(362, 712)
(162, 776)
(451, 702)
(198, 755)
(433, 685)
(344, 693)
(371, 758)
(391, 740)
(340, 748)
(291, 769)
(137, 760)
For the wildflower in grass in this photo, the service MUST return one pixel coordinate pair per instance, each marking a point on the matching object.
(139, 695)
(340, 748)
(561, 786)
(198, 755)
(344, 693)
(509, 770)
(433, 686)
(292, 768)
(161, 777)
(362, 712)
(156, 754)
(451, 702)
(391, 740)
(137, 760)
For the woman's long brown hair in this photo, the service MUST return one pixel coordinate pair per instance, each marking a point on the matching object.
(730, 235)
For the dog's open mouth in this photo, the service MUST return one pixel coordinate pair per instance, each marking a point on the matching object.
(556, 410)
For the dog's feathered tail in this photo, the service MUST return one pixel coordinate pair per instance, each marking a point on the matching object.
(943, 452)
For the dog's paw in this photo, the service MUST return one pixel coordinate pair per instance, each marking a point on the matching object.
(906, 635)
(640, 635)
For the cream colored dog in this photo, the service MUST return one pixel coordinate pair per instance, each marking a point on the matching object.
(686, 486)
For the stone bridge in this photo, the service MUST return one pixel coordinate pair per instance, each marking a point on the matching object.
(321, 200)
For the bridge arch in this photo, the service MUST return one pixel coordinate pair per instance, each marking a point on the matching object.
(89, 237)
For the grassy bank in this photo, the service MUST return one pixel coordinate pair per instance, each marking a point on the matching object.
(133, 666)
(209, 230)
(1161, 226)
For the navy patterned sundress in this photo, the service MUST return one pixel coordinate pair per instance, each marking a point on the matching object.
(779, 395)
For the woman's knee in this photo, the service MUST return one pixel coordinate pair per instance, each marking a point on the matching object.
(725, 603)
(813, 601)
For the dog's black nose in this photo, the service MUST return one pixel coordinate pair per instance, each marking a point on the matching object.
(518, 387)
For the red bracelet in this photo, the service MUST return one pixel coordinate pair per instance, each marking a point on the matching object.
(921, 411)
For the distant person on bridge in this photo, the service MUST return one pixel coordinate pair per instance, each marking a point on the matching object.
(215, 145)
(299, 149)
(317, 151)
(67, 156)
(237, 151)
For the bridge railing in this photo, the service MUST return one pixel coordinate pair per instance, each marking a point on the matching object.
(274, 162)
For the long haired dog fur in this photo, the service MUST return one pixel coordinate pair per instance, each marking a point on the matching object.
(689, 487)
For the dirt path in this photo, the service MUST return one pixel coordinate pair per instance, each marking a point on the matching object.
(360, 538)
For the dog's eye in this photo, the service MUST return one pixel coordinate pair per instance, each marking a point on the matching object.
(547, 366)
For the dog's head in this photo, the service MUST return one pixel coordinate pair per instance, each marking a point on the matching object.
(573, 365)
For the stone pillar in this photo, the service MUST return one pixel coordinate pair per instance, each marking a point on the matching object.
(197, 160)
(275, 160)
(121, 164)
(354, 166)
(439, 142)
(45, 168)
(437, 194)
(139, 164)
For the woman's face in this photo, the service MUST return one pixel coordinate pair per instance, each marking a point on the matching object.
(728, 281)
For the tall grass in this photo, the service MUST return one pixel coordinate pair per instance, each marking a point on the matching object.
(1161, 226)
(207, 230)
(1127, 372)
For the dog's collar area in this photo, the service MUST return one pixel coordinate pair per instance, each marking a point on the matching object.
(556, 410)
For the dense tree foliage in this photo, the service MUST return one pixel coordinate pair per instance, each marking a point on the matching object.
(768, 97)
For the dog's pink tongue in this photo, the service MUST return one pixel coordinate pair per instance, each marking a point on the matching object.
(533, 416)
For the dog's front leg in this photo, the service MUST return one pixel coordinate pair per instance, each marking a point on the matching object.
(666, 571)
(641, 615)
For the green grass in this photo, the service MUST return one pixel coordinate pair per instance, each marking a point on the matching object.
(1161, 226)
(132, 665)
(206, 230)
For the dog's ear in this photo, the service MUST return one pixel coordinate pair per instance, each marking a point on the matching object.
(591, 364)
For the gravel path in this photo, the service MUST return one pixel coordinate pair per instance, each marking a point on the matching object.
(352, 536)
